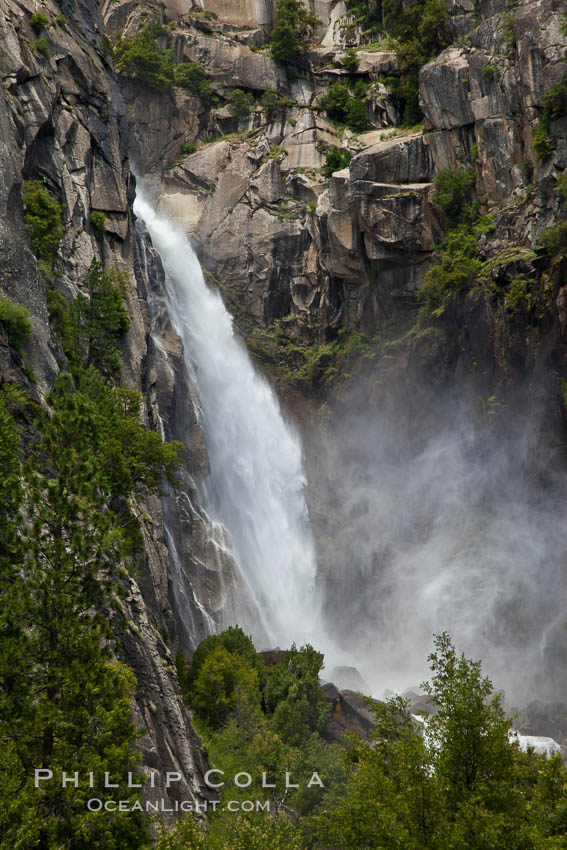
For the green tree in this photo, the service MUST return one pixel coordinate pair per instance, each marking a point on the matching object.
(223, 682)
(143, 58)
(294, 27)
(98, 321)
(42, 218)
(64, 703)
(456, 782)
(16, 321)
(294, 696)
(241, 102)
(335, 160)
(470, 731)
(453, 193)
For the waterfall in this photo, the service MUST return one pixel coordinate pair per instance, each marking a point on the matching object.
(256, 482)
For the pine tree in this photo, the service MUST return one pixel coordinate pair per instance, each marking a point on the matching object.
(293, 29)
(64, 704)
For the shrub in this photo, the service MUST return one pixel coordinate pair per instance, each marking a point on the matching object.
(241, 102)
(192, 77)
(489, 72)
(42, 217)
(341, 107)
(554, 106)
(356, 116)
(15, 320)
(350, 61)
(457, 271)
(140, 57)
(41, 46)
(224, 680)
(98, 222)
(143, 57)
(187, 148)
(454, 194)
(335, 160)
(269, 103)
(420, 34)
(38, 21)
(294, 27)
(554, 241)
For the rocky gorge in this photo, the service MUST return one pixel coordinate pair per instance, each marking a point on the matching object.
(324, 271)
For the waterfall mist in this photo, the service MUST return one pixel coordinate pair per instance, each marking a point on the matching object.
(443, 519)
(256, 481)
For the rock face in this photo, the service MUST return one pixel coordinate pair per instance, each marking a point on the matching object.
(349, 713)
(63, 121)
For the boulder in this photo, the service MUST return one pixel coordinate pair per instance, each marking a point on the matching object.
(349, 713)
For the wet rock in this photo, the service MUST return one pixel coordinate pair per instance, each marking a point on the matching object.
(349, 713)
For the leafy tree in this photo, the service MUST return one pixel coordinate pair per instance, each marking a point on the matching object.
(98, 222)
(91, 327)
(294, 27)
(554, 106)
(260, 833)
(461, 785)
(554, 240)
(223, 681)
(470, 731)
(42, 217)
(294, 695)
(234, 640)
(16, 321)
(145, 57)
(187, 835)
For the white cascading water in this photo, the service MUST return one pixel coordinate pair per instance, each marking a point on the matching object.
(255, 487)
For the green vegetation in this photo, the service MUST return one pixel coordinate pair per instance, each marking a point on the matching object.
(38, 21)
(294, 27)
(98, 222)
(262, 719)
(91, 326)
(367, 16)
(350, 61)
(419, 34)
(188, 148)
(304, 366)
(145, 57)
(241, 102)
(454, 195)
(68, 528)
(342, 107)
(192, 77)
(554, 106)
(335, 160)
(456, 273)
(489, 72)
(463, 786)
(15, 321)
(554, 241)
(42, 218)
(41, 46)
